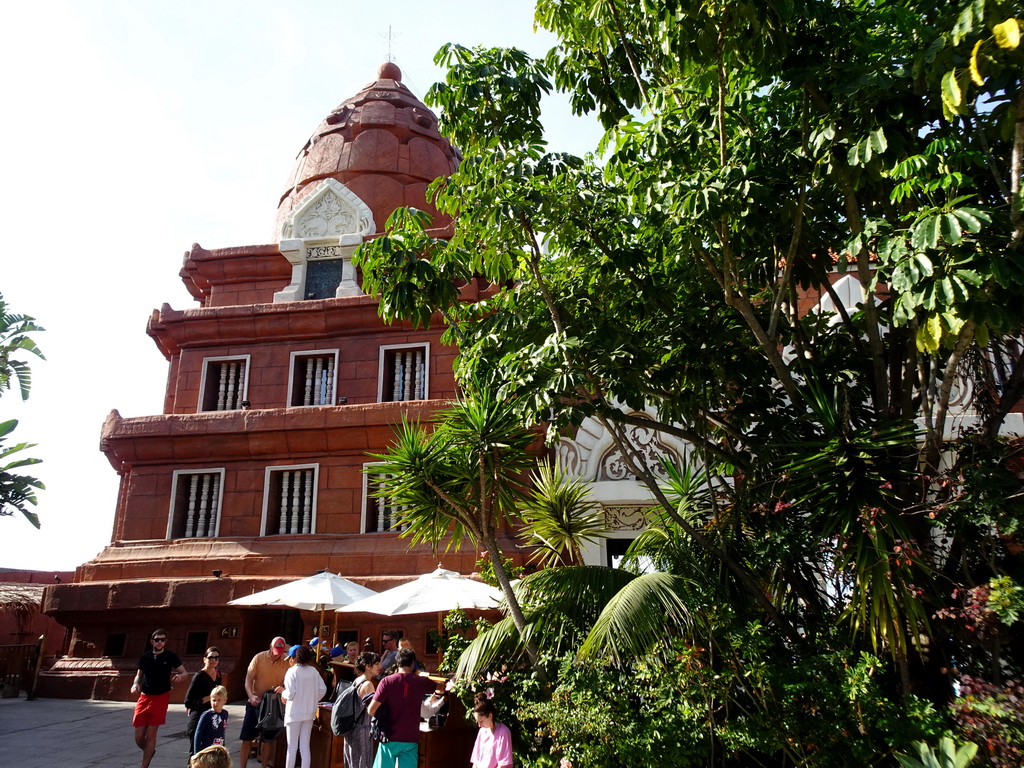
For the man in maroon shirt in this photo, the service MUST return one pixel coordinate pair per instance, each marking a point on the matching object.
(401, 695)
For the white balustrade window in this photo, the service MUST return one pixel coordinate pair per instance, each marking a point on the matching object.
(404, 373)
(196, 497)
(224, 384)
(379, 513)
(313, 378)
(289, 500)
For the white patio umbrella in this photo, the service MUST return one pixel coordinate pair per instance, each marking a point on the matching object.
(320, 592)
(434, 592)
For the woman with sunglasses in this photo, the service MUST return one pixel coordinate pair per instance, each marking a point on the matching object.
(197, 700)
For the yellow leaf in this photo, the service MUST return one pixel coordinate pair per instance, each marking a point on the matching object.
(1007, 34)
(975, 73)
(929, 335)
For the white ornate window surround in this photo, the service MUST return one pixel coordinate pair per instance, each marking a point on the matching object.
(379, 514)
(403, 372)
(224, 383)
(593, 455)
(289, 500)
(313, 378)
(196, 499)
(324, 230)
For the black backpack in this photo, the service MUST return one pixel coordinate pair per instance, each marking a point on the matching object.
(348, 710)
(270, 720)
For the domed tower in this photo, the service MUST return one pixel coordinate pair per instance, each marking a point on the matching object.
(281, 385)
(375, 152)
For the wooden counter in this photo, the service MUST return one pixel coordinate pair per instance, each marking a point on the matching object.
(325, 749)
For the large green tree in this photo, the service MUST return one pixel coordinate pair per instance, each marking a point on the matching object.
(756, 151)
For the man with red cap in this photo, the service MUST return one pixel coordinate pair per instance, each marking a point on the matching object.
(266, 673)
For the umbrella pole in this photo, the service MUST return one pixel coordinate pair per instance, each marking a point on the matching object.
(320, 635)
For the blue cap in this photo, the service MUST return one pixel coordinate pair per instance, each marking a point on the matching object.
(314, 641)
(292, 650)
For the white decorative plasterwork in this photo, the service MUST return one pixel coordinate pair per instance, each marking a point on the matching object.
(324, 252)
(331, 211)
(651, 452)
(329, 225)
(631, 518)
(592, 455)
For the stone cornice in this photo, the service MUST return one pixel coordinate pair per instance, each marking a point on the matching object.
(174, 330)
(204, 269)
(242, 435)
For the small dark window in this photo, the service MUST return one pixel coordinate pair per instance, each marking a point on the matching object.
(115, 644)
(323, 278)
(346, 636)
(617, 550)
(196, 643)
(431, 645)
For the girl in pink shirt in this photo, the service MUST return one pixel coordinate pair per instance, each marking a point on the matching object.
(493, 747)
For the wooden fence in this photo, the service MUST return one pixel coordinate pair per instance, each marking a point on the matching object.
(19, 666)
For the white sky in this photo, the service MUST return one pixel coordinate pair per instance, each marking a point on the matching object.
(134, 129)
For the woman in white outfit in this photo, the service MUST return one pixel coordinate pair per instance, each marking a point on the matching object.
(303, 689)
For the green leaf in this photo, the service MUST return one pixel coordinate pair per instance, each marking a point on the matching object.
(972, 219)
(926, 232)
(878, 141)
(949, 228)
(953, 93)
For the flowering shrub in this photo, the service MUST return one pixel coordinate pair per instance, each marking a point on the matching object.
(992, 716)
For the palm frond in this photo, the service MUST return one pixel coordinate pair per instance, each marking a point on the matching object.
(501, 641)
(638, 618)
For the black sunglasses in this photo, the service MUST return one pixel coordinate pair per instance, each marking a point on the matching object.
(159, 639)
(213, 658)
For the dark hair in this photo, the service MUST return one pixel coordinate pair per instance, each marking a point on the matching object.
(303, 655)
(406, 657)
(156, 632)
(211, 649)
(485, 707)
(392, 633)
(366, 659)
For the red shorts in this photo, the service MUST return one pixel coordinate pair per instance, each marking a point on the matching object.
(151, 710)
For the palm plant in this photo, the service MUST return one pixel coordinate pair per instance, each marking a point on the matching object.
(609, 614)
(14, 330)
(846, 487)
(463, 479)
(559, 516)
(16, 490)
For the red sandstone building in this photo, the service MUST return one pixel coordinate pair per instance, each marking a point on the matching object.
(280, 383)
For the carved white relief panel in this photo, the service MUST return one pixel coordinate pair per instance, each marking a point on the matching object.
(621, 518)
(649, 449)
(331, 211)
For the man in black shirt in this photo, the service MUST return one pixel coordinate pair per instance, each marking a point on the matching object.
(159, 669)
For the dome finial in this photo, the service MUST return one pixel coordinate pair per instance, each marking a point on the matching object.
(389, 71)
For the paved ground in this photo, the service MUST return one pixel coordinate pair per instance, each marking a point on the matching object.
(69, 733)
